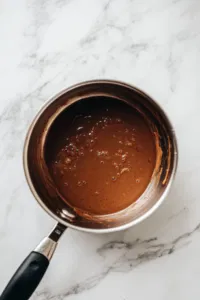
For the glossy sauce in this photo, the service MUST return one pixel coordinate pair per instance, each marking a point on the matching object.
(104, 159)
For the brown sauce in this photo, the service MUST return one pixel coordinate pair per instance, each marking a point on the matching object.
(103, 158)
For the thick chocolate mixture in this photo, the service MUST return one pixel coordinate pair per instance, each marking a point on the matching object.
(104, 159)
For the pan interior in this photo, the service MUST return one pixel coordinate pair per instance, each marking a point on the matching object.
(75, 101)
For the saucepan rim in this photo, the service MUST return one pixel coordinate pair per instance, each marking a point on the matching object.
(101, 230)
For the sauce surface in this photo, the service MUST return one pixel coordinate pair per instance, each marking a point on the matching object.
(103, 160)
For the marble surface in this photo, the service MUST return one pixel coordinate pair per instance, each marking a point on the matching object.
(47, 46)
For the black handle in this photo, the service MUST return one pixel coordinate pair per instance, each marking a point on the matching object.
(26, 278)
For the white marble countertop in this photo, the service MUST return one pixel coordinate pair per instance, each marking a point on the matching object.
(47, 46)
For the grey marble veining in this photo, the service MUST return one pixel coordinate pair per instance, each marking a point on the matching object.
(129, 256)
(47, 46)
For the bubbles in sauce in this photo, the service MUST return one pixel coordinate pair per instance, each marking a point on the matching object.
(103, 161)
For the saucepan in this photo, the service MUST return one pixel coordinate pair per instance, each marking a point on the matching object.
(35, 157)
